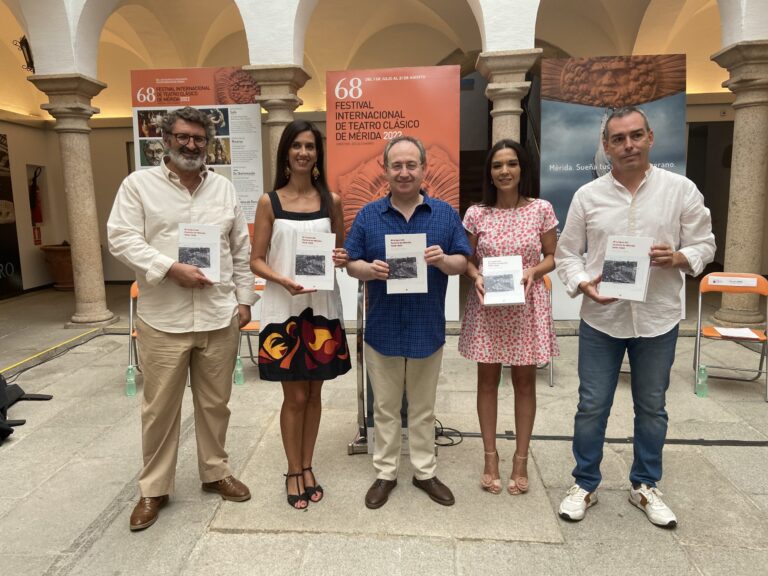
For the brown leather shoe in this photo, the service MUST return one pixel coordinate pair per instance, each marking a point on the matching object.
(229, 488)
(146, 511)
(378, 493)
(438, 491)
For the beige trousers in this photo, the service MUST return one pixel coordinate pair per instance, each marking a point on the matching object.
(390, 375)
(166, 359)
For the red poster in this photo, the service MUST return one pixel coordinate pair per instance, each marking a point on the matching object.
(365, 108)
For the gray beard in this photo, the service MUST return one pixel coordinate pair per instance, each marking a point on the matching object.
(184, 162)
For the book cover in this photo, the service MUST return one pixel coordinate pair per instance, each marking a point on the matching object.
(199, 245)
(626, 267)
(313, 262)
(407, 266)
(501, 278)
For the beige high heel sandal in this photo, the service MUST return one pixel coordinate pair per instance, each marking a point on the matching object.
(488, 482)
(518, 485)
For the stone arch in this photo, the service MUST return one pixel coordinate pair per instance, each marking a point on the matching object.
(275, 30)
(506, 25)
(743, 20)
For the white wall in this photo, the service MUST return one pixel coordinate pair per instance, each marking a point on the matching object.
(110, 166)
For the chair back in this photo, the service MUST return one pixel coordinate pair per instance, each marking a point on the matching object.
(734, 283)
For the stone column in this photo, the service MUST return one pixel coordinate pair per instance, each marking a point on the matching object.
(279, 85)
(747, 63)
(505, 72)
(69, 102)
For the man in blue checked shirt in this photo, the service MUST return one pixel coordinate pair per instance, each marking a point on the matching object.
(405, 333)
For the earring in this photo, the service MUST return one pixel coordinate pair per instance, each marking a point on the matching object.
(287, 172)
(315, 172)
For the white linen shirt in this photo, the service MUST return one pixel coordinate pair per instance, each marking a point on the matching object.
(143, 232)
(667, 207)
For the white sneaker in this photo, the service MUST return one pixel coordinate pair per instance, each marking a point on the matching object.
(577, 500)
(649, 501)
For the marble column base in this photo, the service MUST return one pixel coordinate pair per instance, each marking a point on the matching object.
(83, 322)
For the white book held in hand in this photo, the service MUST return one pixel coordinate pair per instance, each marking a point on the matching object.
(407, 266)
(313, 264)
(626, 268)
(501, 278)
(200, 245)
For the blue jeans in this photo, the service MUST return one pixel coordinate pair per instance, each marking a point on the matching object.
(650, 361)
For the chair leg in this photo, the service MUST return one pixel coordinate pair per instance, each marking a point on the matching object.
(250, 349)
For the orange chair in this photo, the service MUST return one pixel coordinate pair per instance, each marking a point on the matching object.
(251, 329)
(733, 283)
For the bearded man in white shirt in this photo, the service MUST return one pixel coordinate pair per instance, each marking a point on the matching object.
(187, 323)
(634, 199)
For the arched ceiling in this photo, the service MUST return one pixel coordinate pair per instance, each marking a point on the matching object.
(16, 94)
(607, 27)
(367, 34)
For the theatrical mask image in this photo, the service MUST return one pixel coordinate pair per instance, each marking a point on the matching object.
(199, 256)
(150, 123)
(152, 152)
(310, 265)
(219, 117)
(219, 151)
(619, 271)
(402, 268)
(500, 283)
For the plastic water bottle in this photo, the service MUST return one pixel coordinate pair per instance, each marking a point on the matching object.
(701, 381)
(130, 381)
(238, 377)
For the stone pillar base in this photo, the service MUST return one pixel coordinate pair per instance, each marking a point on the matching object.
(730, 317)
(86, 323)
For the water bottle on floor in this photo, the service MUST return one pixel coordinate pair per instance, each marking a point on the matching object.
(701, 381)
(130, 381)
(238, 377)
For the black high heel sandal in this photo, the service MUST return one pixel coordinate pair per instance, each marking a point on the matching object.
(310, 491)
(294, 500)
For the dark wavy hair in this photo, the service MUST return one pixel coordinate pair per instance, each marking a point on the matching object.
(188, 114)
(490, 194)
(290, 133)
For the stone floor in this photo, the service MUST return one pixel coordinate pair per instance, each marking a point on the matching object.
(68, 476)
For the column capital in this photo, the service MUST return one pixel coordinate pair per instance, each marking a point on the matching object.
(508, 65)
(69, 99)
(279, 80)
(747, 63)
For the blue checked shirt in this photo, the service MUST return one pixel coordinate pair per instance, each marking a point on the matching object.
(410, 325)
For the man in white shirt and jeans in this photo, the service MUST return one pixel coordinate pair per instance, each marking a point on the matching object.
(634, 199)
(187, 324)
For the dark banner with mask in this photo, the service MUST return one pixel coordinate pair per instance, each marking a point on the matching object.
(577, 96)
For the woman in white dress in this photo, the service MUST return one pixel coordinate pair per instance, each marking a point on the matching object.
(301, 339)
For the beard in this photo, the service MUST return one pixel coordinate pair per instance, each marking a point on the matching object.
(187, 162)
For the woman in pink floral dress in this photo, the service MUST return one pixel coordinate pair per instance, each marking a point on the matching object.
(508, 222)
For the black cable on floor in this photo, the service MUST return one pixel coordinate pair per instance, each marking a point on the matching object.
(449, 435)
(510, 435)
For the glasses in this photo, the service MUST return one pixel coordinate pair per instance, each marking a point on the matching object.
(183, 139)
(409, 166)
